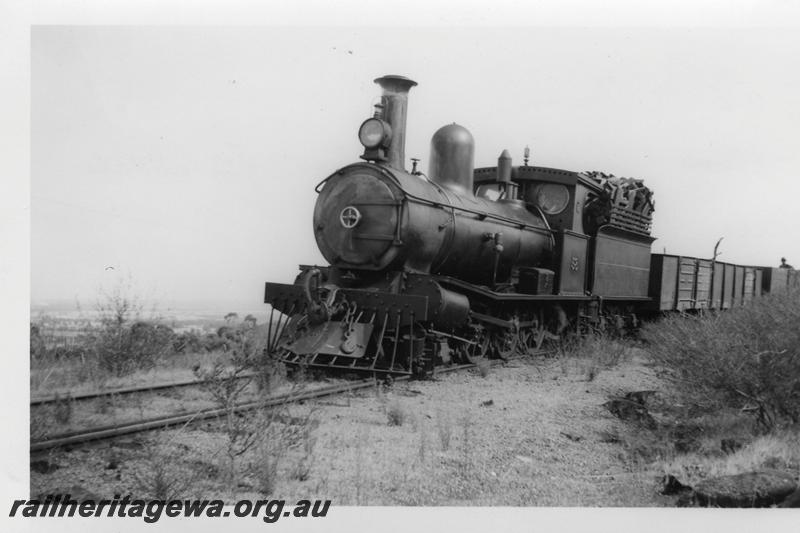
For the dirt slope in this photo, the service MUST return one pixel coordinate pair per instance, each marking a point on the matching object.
(529, 433)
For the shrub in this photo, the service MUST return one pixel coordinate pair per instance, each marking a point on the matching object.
(465, 464)
(226, 383)
(395, 414)
(592, 353)
(226, 333)
(277, 432)
(122, 348)
(249, 322)
(270, 448)
(189, 342)
(124, 342)
(266, 469)
(47, 347)
(63, 409)
(747, 357)
(164, 475)
(444, 428)
(37, 346)
(214, 342)
(484, 367)
(306, 441)
(603, 349)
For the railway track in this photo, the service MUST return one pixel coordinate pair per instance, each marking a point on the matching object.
(55, 398)
(112, 431)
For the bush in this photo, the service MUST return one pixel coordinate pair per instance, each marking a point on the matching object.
(484, 367)
(123, 342)
(592, 353)
(747, 357)
(603, 349)
(304, 439)
(123, 348)
(395, 414)
(214, 342)
(444, 428)
(189, 342)
(46, 346)
(37, 345)
(164, 474)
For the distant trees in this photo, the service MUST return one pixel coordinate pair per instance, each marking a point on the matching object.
(37, 345)
(120, 339)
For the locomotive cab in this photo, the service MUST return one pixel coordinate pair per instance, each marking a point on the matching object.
(557, 196)
(600, 223)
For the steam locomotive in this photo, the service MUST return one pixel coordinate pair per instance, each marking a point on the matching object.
(465, 262)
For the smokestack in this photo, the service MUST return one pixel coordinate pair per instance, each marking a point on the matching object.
(395, 107)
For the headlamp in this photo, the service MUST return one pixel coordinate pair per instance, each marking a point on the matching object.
(374, 133)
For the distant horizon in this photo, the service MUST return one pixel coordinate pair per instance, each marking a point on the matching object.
(222, 305)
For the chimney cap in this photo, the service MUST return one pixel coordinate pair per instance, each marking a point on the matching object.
(394, 80)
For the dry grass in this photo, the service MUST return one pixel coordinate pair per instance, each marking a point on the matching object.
(80, 374)
(164, 473)
(465, 465)
(422, 450)
(457, 452)
(62, 409)
(268, 456)
(484, 367)
(359, 481)
(776, 451)
(305, 440)
(587, 356)
(444, 429)
(52, 418)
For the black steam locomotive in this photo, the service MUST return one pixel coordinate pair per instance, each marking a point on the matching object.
(469, 262)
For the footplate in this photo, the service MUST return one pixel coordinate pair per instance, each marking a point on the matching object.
(377, 306)
(287, 299)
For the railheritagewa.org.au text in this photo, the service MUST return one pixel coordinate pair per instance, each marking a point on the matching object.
(63, 505)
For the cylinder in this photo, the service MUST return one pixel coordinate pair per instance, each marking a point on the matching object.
(453, 310)
(395, 109)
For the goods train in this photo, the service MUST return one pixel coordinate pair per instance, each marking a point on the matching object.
(466, 262)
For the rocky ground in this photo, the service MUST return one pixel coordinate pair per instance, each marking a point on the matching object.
(537, 432)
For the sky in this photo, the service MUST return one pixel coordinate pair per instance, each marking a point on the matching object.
(184, 158)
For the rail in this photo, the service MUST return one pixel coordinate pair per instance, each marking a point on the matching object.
(117, 430)
(68, 396)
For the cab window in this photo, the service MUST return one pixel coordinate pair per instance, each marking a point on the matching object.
(551, 198)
